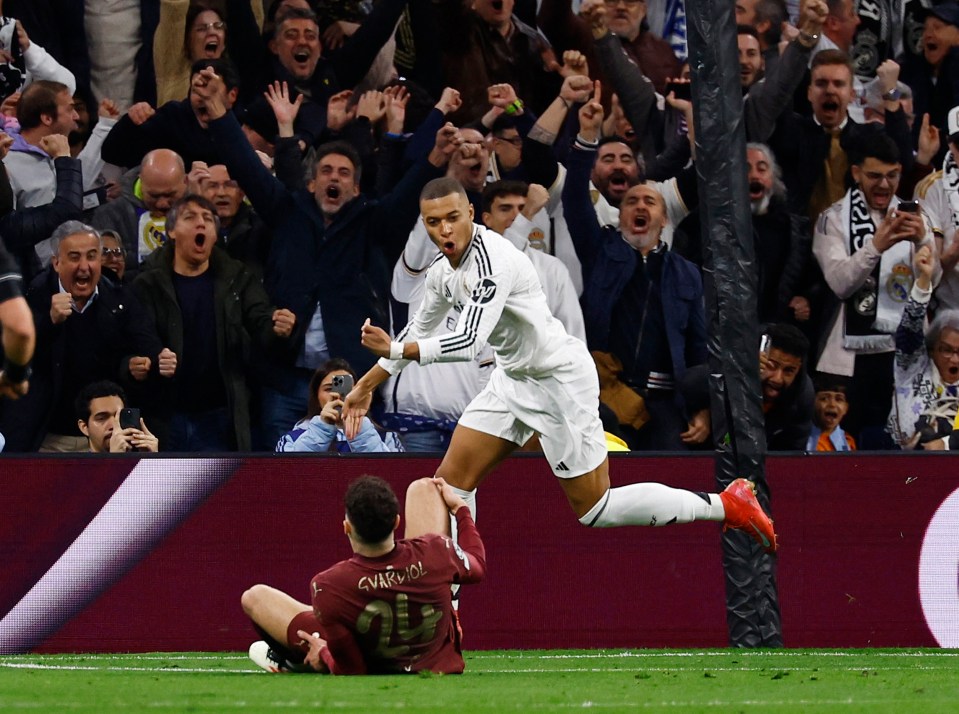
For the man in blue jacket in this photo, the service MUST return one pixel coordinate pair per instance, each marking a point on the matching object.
(643, 305)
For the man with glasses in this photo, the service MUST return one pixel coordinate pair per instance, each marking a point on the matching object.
(506, 144)
(113, 255)
(243, 234)
(865, 244)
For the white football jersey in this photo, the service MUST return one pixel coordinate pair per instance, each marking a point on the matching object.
(500, 302)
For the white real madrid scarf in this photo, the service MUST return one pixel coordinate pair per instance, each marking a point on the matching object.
(874, 310)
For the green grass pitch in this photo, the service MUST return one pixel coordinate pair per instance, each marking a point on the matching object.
(499, 681)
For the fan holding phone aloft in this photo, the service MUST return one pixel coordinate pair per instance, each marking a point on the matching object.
(322, 428)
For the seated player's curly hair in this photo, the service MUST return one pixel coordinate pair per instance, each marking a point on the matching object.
(372, 508)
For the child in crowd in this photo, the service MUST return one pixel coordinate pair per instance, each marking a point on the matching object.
(830, 408)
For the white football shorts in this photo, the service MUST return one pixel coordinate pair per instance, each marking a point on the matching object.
(562, 408)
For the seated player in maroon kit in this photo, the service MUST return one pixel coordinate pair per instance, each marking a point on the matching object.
(388, 609)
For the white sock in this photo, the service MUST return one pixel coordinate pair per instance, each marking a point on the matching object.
(652, 504)
(470, 498)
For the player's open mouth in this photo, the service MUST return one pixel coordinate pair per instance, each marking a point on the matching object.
(449, 246)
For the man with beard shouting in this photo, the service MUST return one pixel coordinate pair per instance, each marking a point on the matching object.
(631, 282)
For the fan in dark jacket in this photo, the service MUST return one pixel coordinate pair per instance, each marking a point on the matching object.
(87, 329)
(209, 310)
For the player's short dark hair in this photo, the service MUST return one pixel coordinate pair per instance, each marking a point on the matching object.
(37, 99)
(331, 365)
(788, 338)
(372, 508)
(442, 187)
(831, 57)
(95, 390)
(173, 215)
(825, 382)
(879, 146)
(223, 67)
(499, 189)
(341, 148)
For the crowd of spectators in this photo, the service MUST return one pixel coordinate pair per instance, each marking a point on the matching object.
(207, 199)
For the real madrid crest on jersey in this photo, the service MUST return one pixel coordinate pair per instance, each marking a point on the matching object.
(537, 239)
(151, 233)
(899, 282)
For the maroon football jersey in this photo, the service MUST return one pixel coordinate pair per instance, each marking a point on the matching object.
(394, 613)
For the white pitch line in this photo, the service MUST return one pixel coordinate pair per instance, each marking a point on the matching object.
(155, 670)
(145, 657)
(738, 653)
(525, 670)
(631, 670)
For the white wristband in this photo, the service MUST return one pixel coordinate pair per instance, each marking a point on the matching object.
(396, 350)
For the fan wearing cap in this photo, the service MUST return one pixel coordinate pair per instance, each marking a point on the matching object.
(934, 77)
(939, 195)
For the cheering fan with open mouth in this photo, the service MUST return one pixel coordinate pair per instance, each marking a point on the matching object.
(193, 31)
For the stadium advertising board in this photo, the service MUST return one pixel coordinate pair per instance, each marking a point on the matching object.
(115, 554)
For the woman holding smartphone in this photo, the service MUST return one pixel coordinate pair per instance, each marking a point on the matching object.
(322, 428)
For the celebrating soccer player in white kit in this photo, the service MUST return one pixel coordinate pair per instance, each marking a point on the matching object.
(544, 382)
